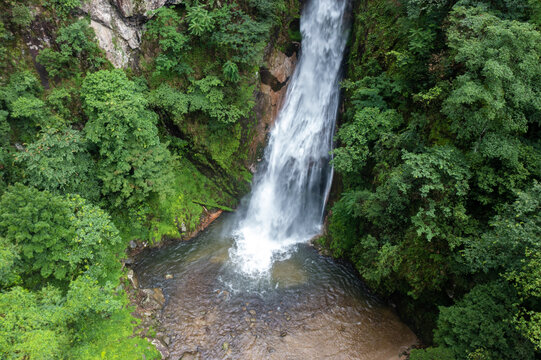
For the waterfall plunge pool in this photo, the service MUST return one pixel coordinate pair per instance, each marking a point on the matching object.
(306, 307)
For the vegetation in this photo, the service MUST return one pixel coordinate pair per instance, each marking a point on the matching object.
(92, 158)
(438, 150)
(439, 153)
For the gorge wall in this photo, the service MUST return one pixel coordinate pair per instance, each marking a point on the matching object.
(119, 25)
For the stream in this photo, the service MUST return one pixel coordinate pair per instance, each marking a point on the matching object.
(250, 286)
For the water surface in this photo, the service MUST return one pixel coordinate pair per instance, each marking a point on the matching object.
(307, 307)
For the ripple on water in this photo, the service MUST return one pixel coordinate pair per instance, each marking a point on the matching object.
(308, 307)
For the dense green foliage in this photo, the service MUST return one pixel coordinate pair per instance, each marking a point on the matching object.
(91, 158)
(132, 162)
(59, 266)
(60, 162)
(440, 157)
(204, 72)
(77, 51)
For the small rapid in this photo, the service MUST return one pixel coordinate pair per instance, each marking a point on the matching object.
(290, 188)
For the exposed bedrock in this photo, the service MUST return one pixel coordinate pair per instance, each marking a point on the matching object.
(119, 25)
(275, 77)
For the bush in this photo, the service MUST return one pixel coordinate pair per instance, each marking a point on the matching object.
(59, 162)
(438, 353)
(21, 15)
(57, 238)
(63, 7)
(483, 322)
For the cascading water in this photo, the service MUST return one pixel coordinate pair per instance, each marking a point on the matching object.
(305, 306)
(288, 198)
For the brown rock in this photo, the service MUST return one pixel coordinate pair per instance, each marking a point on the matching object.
(274, 80)
(162, 348)
(158, 296)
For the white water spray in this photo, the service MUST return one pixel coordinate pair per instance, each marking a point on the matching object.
(288, 198)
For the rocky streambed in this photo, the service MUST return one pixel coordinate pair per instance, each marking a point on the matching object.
(195, 305)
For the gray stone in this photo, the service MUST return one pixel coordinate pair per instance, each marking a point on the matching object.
(159, 297)
(167, 340)
(118, 25)
(133, 279)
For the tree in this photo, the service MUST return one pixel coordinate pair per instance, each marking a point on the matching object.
(57, 238)
(200, 21)
(358, 136)
(21, 15)
(499, 92)
(32, 324)
(231, 71)
(483, 321)
(63, 7)
(132, 163)
(78, 51)
(5, 131)
(31, 112)
(87, 321)
(408, 225)
(21, 84)
(511, 249)
(173, 44)
(60, 163)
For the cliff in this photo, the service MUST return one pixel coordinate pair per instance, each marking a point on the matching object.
(119, 24)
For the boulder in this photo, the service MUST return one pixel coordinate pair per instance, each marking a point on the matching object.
(133, 279)
(162, 348)
(153, 299)
(159, 297)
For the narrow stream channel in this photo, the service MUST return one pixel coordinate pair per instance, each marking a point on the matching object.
(250, 287)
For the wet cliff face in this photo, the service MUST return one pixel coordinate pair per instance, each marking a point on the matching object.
(274, 78)
(119, 25)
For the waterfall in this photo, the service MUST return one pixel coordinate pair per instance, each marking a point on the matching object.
(287, 201)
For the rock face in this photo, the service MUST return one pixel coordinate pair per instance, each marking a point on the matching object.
(119, 25)
(130, 8)
(274, 80)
